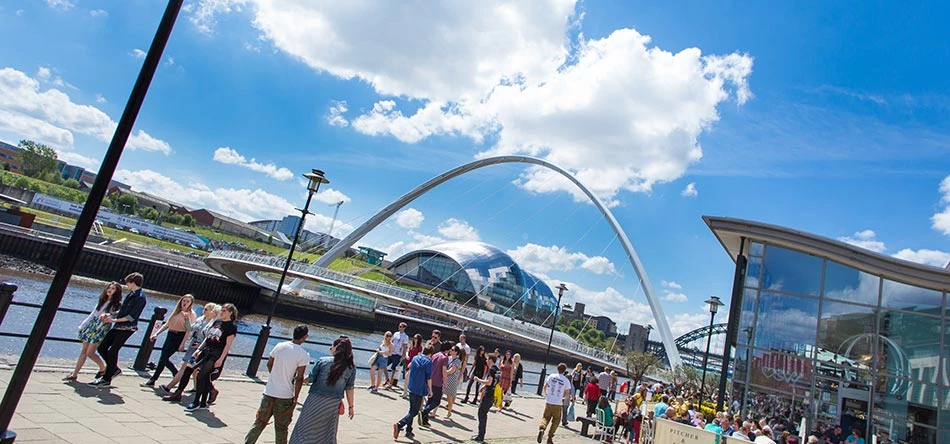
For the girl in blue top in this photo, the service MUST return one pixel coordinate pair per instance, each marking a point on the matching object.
(331, 377)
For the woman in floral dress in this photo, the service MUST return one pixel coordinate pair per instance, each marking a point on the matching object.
(91, 330)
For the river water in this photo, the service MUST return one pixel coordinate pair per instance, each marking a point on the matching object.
(83, 293)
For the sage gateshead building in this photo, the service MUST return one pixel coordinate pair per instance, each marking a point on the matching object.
(827, 333)
(479, 273)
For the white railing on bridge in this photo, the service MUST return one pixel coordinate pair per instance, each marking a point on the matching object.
(534, 331)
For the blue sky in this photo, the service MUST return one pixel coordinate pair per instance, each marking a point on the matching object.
(831, 119)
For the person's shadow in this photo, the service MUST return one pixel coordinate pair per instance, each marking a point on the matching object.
(104, 394)
(208, 418)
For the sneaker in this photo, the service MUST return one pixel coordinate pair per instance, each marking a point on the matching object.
(213, 396)
(117, 372)
(477, 438)
(149, 383)
(100, 382)
(409, 434)
(193, 406)
(550, 440)
(174, 397)
(425, 422)
(373, 390)
(100, 374)
(540, 435)
(395, 431)
(165, 387)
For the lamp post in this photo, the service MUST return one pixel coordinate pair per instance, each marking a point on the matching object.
(315, 178)
(557, 311)
(712, 304)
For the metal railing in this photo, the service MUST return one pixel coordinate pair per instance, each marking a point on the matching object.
(533, 331)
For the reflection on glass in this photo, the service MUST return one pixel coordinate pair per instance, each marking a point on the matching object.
(747, 316)
(909, 345)
(905, 417)
(780, 371)
(791, 272)
(786, 322)
(756, 249)
(752, 271)
(908, 297)
(848, 284)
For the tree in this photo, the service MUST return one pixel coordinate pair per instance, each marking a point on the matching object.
(36, 159)
(682, 376)
(127, 203)
(71, 183)
(173, 218)
(638, 363)
(149, 213)
(188, 220)
(106, 202)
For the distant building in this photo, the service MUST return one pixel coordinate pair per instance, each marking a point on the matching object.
(73, 172)
(636, 339)
(288, 227)
(227, 224)
(9, 154)
(605, 325)
(374, 257)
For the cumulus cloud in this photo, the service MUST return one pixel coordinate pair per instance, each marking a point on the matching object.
(137, 53)
(239, 203)
(941, 220)
(690, 190)
(230, 156)
(622, 309)
(101, 99)
(510, 73)
(934, 258)
(415, 241)
(457, 229)
(541, 259)
(99, 13)
(671, 284)
(331, 196)
(671, 293)
(50, 116)
(62, 5)
(409, 218)
(866, 239)
(335, 114)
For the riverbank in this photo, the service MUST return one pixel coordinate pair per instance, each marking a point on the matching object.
(16, 264)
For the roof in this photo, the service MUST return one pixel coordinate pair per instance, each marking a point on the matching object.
(730, 231)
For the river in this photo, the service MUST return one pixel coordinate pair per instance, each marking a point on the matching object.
(83, 293)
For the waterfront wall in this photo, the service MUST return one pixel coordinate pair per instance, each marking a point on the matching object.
(108, 266)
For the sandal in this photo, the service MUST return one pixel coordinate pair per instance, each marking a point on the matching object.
(70, 378)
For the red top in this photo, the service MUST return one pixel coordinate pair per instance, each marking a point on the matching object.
(592, 391)
(413, 351)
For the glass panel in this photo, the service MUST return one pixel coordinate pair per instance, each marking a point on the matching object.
(908, 297)
(848, 284)
(756, 249)
(846, 337)
(909, 345)
(781, 372)
(752, 271)
(826, 403)
(791, 272)
(783, 407)
(906, 412)
(787, 323)
(741, 368)
(747, 316)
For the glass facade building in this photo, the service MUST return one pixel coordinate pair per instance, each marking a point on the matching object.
(827, 333)
(477, 272)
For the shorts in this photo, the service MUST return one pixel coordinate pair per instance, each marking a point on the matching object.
(381, 362)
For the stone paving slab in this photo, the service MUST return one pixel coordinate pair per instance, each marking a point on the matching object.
(52, 411)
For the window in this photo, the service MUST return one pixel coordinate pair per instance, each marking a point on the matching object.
(787, 323)
(844, 283)
(908, 297)
(791, 272)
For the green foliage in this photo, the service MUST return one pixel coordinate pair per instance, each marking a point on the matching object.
(106, 202)
(52, 177)
(127, 203)
(173, 218)
(71, 183)
(6, 166)
(188, 220)
(639, 363)
(149, 213)
(37, 159)
(42, 187)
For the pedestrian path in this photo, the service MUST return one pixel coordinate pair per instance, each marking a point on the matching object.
(52, 411)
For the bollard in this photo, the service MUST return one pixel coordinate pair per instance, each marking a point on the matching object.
(145, 352)
(6, 297)
(255, 362)
(544, 374)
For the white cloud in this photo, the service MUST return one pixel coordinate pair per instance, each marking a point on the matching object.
(409, 218)
(137, 53)
(673, 296)
(242, 204)
(934, 258)
(941, 220)
(671, 284)
(866, 239)
(62, 5)
(416, 241)
(43, 73)
(335, 115)
(74, 158)
(457, 229)
(511, 71)
(101, 99)
(169, 61)
(690, 190)
(541, 259)
(331, 196)
(52, 117)
(609, 302)
(99, 13)
(230, 156)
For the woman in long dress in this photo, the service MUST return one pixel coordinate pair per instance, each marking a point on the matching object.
(91, 330)
(507, 371)
(453, 374)
(331, 378)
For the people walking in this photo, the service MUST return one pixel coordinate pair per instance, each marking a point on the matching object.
(124, 324)
(378, 371)
(400, 352)
(568, 402)
(592, 395)
(440, 363)
(479, 367)
(199, 331)
(507, 371)
(603, 381)
(486, 391)
(419, 385)
(331, 378)
(557, 389)
(92, 331)
(178, 326)
(517, 374)
(415, 348)
(466, 353)
(210, 357)
(577, 378)
(287, 364)
(453, 374)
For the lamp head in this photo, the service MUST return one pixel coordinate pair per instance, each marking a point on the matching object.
(315, 178)
(713, 304)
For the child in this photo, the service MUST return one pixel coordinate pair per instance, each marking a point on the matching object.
(591, 394)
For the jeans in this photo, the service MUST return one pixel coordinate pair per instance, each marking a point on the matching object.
(564, 409)
(470, 382)
(434, 400)
(170, 347)
(552, 414)
(415, 402)
(283, 412)
(109, 350)
(393, 364)
(203, 388)
(483, 407)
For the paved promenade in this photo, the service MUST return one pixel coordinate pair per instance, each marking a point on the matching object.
(52, 411)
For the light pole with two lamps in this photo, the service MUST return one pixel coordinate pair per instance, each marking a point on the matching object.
(557, 311)
(712, 304)
(315, 178)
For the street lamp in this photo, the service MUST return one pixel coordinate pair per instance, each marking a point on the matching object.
(712, 304)
(557, 310)
(315, 178)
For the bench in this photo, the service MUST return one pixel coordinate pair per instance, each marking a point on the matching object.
(585, 423)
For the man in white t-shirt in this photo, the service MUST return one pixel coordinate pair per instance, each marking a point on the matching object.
(603, 380)
(400, 352)
(557, 389)
(287, 365)
(468, 352)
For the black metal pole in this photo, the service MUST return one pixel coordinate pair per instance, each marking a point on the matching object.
(547, 353)
(145, 351)
(702, 382)
(6, 297)
(732, 329)
(57, 289)
(255, 362)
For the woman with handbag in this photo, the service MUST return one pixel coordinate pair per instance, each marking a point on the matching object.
(379, 368)
(479, 367)
(488, 385)
(331, 378)
(92, 331)
(178, 326)
(199, 329)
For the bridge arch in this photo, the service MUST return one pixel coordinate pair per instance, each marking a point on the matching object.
(662, 325)
(699, 333)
